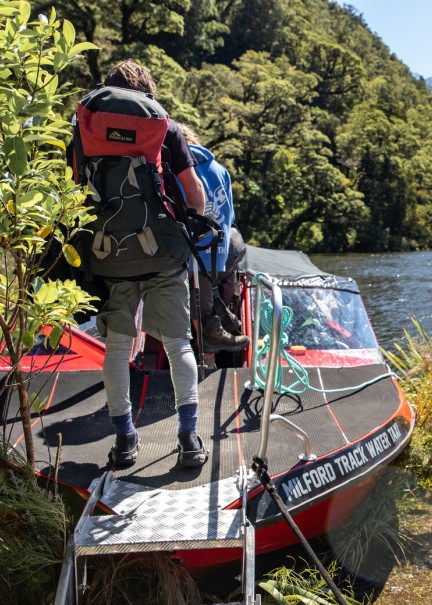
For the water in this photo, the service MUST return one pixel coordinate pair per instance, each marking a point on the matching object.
(394, 286)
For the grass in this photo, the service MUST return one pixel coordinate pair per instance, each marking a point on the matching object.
(33, 532)
(373, 526)
(412, 361)
(287, 585)
(153, 579)
(33, 529)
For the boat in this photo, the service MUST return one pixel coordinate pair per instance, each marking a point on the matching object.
(312, 399)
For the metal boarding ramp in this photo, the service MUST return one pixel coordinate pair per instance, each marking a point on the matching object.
(158, 520)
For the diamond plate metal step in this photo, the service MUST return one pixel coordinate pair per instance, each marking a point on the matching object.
(161, 520)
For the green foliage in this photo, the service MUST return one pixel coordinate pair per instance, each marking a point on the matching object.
(287, 585)
(328, 137)
(40, 204)
(150, 580)
(39, 199)
(373, 525)
(412, 360)
(33, 526)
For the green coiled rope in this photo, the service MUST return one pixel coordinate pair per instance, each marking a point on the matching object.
(301, 382)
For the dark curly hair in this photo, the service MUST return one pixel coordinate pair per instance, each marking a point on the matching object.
(130, 74)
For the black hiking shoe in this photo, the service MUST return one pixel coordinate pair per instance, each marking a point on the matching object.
(216, 339)
(192, 451)
(125, 450)
(230, 322)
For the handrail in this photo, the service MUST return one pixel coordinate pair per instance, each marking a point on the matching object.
(273, 360)
(300, 433)
(79, 567)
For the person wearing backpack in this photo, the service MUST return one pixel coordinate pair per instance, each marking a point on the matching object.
(137, 246)
(219, 333)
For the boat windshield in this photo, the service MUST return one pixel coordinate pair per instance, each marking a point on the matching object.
(323, 318)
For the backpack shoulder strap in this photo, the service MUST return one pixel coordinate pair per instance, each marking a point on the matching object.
(196, 226)
(172, 189)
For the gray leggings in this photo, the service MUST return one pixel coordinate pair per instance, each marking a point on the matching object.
(183, 368)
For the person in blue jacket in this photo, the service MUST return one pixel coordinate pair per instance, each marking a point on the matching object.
(220, 207)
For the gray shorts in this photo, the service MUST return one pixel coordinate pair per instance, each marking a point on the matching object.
(165, 306)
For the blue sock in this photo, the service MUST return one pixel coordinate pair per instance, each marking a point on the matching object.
(123, 425)
(187, 417)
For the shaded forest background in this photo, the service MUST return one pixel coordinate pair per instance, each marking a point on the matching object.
(326, 134)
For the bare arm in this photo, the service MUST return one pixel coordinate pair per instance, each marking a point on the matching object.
(193, 188)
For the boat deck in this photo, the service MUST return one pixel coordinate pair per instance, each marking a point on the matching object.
(229, 421)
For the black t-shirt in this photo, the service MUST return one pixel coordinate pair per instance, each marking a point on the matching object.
(180, 155)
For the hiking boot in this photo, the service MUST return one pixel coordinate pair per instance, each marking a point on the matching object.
(230, 322)
(216, 339)
(125, 450)
(192, 451)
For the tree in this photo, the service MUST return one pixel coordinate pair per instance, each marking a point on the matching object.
(260, 79)
(185, 30)
(40, 205)
(379, 151)
(273, 26)
(340, 72)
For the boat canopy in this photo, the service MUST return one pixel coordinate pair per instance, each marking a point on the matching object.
(292, 268)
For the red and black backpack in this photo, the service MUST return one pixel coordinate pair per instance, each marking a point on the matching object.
(118, 138)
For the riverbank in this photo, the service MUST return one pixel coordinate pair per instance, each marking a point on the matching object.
(410, 579)
(404, 577)
(391, 533)
(385, 550)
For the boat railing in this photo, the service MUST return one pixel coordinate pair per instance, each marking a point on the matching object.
(273, 360)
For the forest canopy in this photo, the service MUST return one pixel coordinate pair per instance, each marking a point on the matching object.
(326, 133)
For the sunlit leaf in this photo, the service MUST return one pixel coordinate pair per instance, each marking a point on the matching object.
(53, 16)
(43, 232)
(68, 32)
(56, 143)
(5, 73)
(71, 255)
(60, 60)
(47, 293)
(54, 337)
(34, 326)
(25, 10)
(28, 339)
(51, 84)
(82, 46)
(8, 11)
(38, 403)
(15, 154)
(30, 197)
